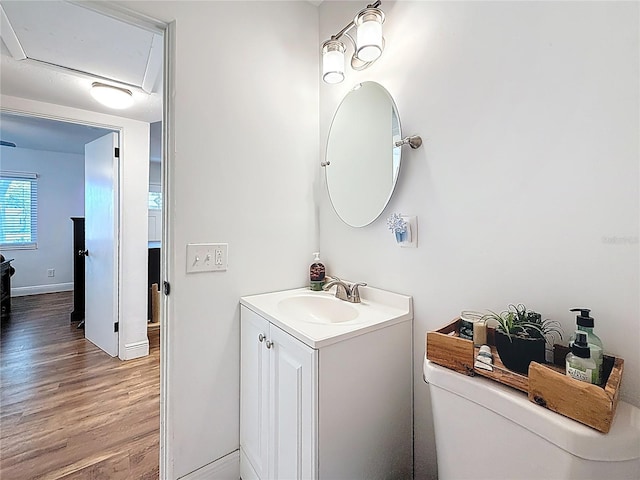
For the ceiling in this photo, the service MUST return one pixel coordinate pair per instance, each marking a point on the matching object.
(53, 50)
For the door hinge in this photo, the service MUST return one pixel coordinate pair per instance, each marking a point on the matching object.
(167, 287)
(116, 326)
(117, 152)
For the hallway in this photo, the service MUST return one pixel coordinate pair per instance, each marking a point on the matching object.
(68, 410)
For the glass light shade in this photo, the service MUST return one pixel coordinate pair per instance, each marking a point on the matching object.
(112, 97)
(369, 35)
(333, 61)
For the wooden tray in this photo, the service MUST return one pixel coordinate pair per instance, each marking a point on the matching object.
(546, 384)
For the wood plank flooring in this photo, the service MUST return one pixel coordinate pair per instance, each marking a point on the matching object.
(69, 410)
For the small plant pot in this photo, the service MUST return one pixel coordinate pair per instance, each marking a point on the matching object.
(516, 354)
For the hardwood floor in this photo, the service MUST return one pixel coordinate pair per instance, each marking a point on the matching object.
(69, 410)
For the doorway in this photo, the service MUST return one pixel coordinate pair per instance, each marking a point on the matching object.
(130, 288)
(126, 128)
(129, 274)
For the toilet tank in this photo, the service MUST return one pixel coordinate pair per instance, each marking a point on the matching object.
(486, 430)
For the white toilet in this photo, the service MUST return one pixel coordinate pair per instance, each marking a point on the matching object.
(485, 430)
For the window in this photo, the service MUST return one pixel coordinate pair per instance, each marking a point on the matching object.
(155, 200)
(155, 196)
(18, 210)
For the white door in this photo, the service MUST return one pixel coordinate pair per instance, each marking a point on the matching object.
(100, 211)
(293, 405)
(254, 399)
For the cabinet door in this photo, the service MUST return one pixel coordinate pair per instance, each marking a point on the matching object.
(293, 406)
(254, 395)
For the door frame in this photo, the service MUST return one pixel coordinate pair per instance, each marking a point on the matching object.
(59, 113)
(168, 31)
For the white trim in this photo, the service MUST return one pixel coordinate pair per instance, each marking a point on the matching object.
(154, 64)
(118, 239)
(12, 174)
(166, 311)
(38, 289)
(225, 468)
(10, 38)
(136, 350)
(123, 14)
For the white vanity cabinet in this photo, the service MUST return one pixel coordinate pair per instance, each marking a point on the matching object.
(278, 402)
(326, 407)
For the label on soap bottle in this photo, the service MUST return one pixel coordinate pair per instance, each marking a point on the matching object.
(582, 375)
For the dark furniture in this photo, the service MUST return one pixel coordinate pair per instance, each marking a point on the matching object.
(78, 269)
(5, 286)
(153, 272)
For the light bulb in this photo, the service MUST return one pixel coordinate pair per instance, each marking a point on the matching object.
(333, 61)
(369, 34)
(112, 97)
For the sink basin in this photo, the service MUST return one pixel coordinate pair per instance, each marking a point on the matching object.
(317, 309)
(319, 319)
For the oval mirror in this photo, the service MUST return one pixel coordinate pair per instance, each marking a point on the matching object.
(362, 162)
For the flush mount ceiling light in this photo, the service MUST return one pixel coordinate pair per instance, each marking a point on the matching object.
(110, 96)
(367, 47)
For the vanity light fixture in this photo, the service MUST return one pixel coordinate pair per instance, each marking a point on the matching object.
(111, 96)
(367, 46)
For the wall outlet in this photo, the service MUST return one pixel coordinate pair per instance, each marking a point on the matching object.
(51, 272)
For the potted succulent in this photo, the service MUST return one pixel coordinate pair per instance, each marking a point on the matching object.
(521, 335)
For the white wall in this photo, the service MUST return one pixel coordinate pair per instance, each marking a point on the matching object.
(134, 174)
(526, 188)
(60, 197)
(155, 173)
(246, 148)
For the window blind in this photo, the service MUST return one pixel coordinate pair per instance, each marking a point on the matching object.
(18, 210)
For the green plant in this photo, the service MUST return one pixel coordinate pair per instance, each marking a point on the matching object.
(519, 321)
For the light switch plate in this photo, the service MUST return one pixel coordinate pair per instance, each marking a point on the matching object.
(207, 257)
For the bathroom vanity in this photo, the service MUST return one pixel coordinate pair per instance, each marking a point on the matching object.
(326, 386)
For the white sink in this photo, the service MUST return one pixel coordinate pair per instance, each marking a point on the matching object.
(319, 318)
(318, 309)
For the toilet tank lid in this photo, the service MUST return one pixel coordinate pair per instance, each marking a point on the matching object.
(620, 444)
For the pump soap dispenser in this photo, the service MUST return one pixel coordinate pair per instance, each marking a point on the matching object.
(316, 274)
(585, 324)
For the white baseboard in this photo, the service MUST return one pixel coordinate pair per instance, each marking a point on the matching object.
(135, 350)
(225, 468)
(38, 289)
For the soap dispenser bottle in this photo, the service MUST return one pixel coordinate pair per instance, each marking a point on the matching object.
(579, 363)
(316, 273)
(584, 323)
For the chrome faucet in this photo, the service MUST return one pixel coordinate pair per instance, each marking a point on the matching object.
(344, 291)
